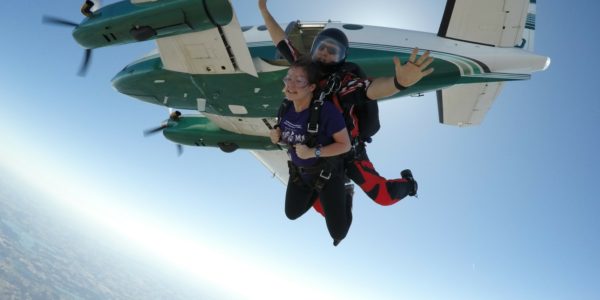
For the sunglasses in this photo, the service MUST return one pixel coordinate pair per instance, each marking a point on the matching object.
(332, 50)
(297, 82)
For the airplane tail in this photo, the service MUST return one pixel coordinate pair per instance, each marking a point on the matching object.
(528, 40)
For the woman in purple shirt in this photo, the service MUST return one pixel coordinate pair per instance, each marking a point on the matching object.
(315, 163)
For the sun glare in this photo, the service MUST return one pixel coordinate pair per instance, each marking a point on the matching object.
(209, 262)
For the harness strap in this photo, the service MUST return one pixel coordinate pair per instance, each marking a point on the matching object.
(313, 117)
(323, 171)
(283, 107)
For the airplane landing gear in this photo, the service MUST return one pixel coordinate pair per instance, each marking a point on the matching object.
(228, 147)
(142, 33)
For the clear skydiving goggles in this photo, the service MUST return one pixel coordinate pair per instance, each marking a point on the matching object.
(327, 50)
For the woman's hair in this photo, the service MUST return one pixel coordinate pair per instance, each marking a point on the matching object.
(310, 68)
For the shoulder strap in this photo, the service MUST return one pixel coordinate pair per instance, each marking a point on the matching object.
(314, 115)
(283, 108)
(334, 83)
(332, 86)
(313, 121)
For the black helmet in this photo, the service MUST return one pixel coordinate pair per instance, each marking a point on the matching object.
(335, 42)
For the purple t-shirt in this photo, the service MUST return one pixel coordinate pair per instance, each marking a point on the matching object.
(293, 129)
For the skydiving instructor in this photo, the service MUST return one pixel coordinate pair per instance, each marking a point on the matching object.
(329, 51)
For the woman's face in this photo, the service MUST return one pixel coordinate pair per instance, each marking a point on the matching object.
(297, 86)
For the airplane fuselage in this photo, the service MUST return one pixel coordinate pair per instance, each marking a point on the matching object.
(244, 105)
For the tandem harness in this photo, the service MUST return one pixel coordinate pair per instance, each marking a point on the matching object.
(322, 172)
(344, 88)
(325, 165)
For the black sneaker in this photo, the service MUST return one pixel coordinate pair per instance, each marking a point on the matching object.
(407, 174)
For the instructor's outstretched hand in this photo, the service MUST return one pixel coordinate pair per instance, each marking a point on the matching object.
(414, 70)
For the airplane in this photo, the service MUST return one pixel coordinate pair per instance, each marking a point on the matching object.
(230, 75)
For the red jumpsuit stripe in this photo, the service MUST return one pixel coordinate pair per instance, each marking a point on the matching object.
(374, 185)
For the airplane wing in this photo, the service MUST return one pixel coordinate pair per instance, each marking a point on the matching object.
(221, 50)
(466, 104)
(275, 161)
(498, 23)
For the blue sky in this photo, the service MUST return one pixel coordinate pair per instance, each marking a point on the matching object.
(506, 209)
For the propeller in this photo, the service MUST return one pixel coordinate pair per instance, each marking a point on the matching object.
(153, 131)
(87, 58)
(173, 116)
(58, 21)
(88, 9)
(87, 54)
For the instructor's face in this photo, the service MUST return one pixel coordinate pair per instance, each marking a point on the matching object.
(327, 53)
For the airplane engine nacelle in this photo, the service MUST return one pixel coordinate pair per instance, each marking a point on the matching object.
(124, 22)
(193, 130)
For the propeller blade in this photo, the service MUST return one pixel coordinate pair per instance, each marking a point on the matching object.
(85, 63)
(179, 149)
(88, 52)
(58, 21)
(152, 131)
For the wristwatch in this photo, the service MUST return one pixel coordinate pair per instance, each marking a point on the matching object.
(318, 151)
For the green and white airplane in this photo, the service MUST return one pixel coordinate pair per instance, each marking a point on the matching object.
(231, 75)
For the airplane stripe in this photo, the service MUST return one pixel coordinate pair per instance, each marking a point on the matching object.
(524, 77)
(465, 65)
(499, 78)
(260, 44)
(502, 76)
